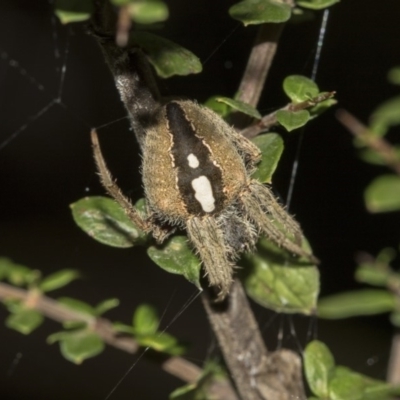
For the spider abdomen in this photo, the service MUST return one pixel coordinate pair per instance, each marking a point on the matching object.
(190, 168)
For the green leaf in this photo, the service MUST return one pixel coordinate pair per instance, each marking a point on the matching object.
(316, 4)
(319, 367)
(321, 107)
(240, 106)
(123, 328)
(260, 11)
(386, 116)
(145, 320)
(383, 194)
(291, 120)
(105, 221)
(73, 10)
(25, 320)
(5, 266)
(371, 156)
(106, 305)
(168, 58)
(357, 302)
(394, 76)
(346, 385)
(79, 345)
(176, 257)
(148, 11)
(276, 280)
(395, 319)
(161, 342)
(58, 280)
(372, 275)
(221, 109)
(77, 305)
(300, 88)
(19, 275)
(187, 392)
(271, 146)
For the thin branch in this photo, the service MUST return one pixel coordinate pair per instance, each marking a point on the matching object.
(257, 374)
(176, 366)
(371, 140)
(270, 120)
(257, 68)
(393, 375)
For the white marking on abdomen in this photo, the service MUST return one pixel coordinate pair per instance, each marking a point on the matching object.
(203, 193)
(193, 161)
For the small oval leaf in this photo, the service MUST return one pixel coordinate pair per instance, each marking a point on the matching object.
(145, 320)
(105, 221)
(394, 76)
(77, 305)
(219, 108)
(383, 194)
(73, 10)
(300, 88)
(148, 12)
(274, 279)
(345, 385)
(319, 367)
(355, 303)
(240, 106)
(316, 4)
(24, 321)
(79, 345)
(106, 305)
(252, 12)
(291, 120)
(271, 146)
(168, 58)
(162, 342)
(386, 116)
(176, 257)
(58, 280)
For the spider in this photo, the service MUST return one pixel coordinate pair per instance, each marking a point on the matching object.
(197, 176)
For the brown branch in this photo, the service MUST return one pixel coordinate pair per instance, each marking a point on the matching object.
(176, 366)
(257, 374)
(371, 140)
(270, 120)
(257, 68)
(393, 375)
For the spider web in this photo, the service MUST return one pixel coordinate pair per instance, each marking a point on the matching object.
(38, 87)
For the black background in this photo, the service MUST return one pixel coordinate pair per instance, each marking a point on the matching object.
(49, 165)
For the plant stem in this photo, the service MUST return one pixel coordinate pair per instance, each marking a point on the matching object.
(371, 140)
(176, 366)
(257, 374)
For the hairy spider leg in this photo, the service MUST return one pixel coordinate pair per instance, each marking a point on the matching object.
(208, 239)
(112, 188)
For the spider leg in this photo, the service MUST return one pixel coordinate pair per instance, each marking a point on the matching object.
(272, 219)
(249, 152)
(208, 239)
(112, 188)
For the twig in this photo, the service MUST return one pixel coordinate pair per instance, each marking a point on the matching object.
(176, 366)
(257, 68)
(393, 375)
(257, 374)
(268, 121)
(369, 139)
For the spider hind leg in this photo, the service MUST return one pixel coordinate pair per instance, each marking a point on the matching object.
(272, 220)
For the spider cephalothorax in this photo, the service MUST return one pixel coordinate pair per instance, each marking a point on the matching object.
(197, 176)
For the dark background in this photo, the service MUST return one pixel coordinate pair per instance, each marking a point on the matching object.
(49, 165)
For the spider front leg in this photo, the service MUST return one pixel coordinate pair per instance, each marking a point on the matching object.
(208, 240)
(112, 188)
